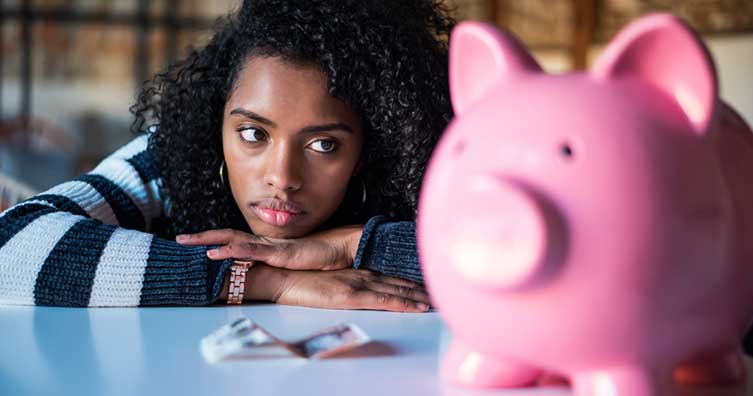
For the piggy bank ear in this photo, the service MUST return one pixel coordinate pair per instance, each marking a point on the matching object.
(662, 50)
(481, 55)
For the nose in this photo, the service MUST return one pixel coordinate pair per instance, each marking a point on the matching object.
(284, 170)
(509, 236)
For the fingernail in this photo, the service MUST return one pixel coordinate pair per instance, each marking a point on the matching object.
(212, 253)
(182, 238)
(422, 306)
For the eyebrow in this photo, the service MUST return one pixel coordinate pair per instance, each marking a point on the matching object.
(253, 116)
(309, 129)
(327, 127)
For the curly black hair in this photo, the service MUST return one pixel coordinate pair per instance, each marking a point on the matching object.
(386, 58)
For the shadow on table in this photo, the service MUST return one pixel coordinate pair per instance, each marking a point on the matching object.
(369, 350)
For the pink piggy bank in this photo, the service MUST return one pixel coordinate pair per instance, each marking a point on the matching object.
(596, 225)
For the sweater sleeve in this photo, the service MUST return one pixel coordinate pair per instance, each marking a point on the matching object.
(389, 248)
(86, 242)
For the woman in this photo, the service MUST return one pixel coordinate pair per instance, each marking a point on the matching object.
(298, 120)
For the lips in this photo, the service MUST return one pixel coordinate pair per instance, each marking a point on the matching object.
(277, 212)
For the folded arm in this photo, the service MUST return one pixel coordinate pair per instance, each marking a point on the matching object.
(87, 242)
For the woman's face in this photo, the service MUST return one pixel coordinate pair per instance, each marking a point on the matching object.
(290, 147)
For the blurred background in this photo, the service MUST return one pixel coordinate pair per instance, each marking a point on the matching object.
(70, 69)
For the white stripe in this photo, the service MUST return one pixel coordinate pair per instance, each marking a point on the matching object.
(132, 148)
(120, 272)
(127, 178)
(88, 198)
(22, 256)
(117, 169)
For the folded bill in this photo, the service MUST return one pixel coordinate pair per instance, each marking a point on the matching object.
(243, 338)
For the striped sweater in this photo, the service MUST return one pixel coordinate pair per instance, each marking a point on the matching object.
(87, 242)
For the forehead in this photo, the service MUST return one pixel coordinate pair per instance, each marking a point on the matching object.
(273, 86)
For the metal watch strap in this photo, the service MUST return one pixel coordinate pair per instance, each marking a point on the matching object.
(238, 281)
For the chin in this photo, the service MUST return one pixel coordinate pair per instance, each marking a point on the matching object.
(266, 230)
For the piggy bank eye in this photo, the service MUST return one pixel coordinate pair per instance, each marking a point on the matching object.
(458, 147)
(566, 150)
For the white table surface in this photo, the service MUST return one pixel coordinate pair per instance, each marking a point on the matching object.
(155, 351)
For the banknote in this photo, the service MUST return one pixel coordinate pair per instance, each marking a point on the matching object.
(244, 338)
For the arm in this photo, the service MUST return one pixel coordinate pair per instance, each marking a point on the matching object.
(337, 289)
(389, 248)
(317, 270)
(86, 243)
(385, 247)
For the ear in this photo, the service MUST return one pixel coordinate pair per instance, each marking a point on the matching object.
(480, 56)
(662, 50)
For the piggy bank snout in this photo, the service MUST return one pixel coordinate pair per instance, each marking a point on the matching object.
(508, 236)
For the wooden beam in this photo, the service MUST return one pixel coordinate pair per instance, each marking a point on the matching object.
(492, 9)
(585, 14)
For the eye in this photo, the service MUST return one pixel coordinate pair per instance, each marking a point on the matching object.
(566, 150)
(323, 145)
(252, 135)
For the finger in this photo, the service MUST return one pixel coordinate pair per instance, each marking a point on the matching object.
(245, 251)
(367, 299)
(400, 291)
(211, 237)
(401, 282)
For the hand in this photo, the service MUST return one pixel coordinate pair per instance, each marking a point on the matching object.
(327, 250)
(350, 289)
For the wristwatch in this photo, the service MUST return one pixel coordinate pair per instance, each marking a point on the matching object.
(238, 281)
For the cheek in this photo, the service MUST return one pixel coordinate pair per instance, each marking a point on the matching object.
(244, 174)
(328, 184)
(240, 178)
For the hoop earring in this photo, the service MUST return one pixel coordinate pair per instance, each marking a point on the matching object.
(222, 173)
(363, 195)
(359, 210)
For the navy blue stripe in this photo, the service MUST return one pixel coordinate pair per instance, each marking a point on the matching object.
(128, 214)
(174, 274)
(67, 275)
(177, 274)
(62, 203)
(143, 162)
(18, 218)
